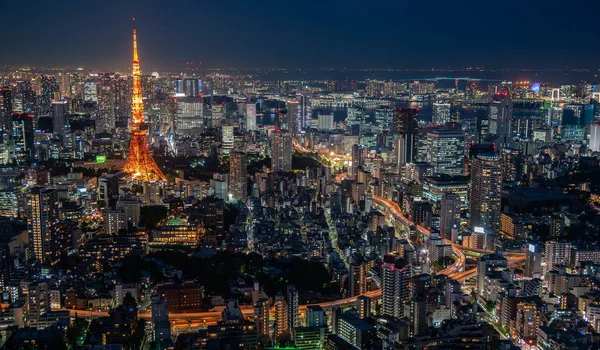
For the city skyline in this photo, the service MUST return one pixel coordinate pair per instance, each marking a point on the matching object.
(308, 35)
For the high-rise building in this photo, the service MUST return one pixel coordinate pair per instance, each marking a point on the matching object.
(50, 91)
(42, 225)
(315, 316)
(282, 325)
(292, 304)
(191, 87)
(484, 194)
(37, 295)
(489, 264)
(238, 178)
(511, 164)
(139, 163)
(304, 110)
(60, 109)
(281, 151)
(189, 118)
(132, 209)
(363, 305)
(22, 137)
(357, 278)
(261, 316)
(445, 151)
(114, 220)
(595, 137)
(160, 318)
(325, 122)
(450, 209)
(90, 91)
(441, 113)
(5, 108)
(533, 262)
(395, 286)
(357, 161)
(251, 116)
(500, 120)
(406, 127)
(289, 120)
(557, 254)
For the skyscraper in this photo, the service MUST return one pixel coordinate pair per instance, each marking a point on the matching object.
(22, 137)
(189, 118)
(42, 221)
(304, 110)
(595, 137)
(441, 113)
(281, 151)
(395, 280)
(191, 87)
(289, 120)
(533, 262)
(406, 127)
(500, 120)
(250, 116)
(357, 161)
(60, 109)
(450, 215)
(484, 194)
(445, 151)
(238, 182)
(140, 163)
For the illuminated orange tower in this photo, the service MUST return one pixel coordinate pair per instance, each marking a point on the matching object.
(140, 163)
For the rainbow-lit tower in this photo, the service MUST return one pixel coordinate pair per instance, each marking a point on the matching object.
(140, 163)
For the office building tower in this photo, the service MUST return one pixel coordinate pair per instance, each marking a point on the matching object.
(281, 315)
(50, 91)
(450, 209)
(446, 149)
(325, 122)
(441, 113)
(484, 194)
(132, 209)
(114, 220)
(489, 264)
(594, 144)
(500, 119)
(304, 110)
(384, 118)
(191, 87)
(60, 110)
(575, 119)
(315, 316)
(22, 137)
(292, 304)
(90, 92)
(357, 331)
(160, 319)
(395, 286)
(405, 126)
(5, 109)
(42, 225)
(251, 116)
(533, 262)
(189, 118)
(238, 178)
(289, 120)
(557, 254)
(363, 305)
(281, 151)
(357, 161)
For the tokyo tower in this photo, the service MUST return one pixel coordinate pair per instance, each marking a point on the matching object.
(140, 163)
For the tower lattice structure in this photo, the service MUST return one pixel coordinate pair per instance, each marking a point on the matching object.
(140, 163)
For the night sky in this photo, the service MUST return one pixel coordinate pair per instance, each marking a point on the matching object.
(307, 34)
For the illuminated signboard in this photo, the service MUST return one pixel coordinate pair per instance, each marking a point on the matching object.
(100, 159)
